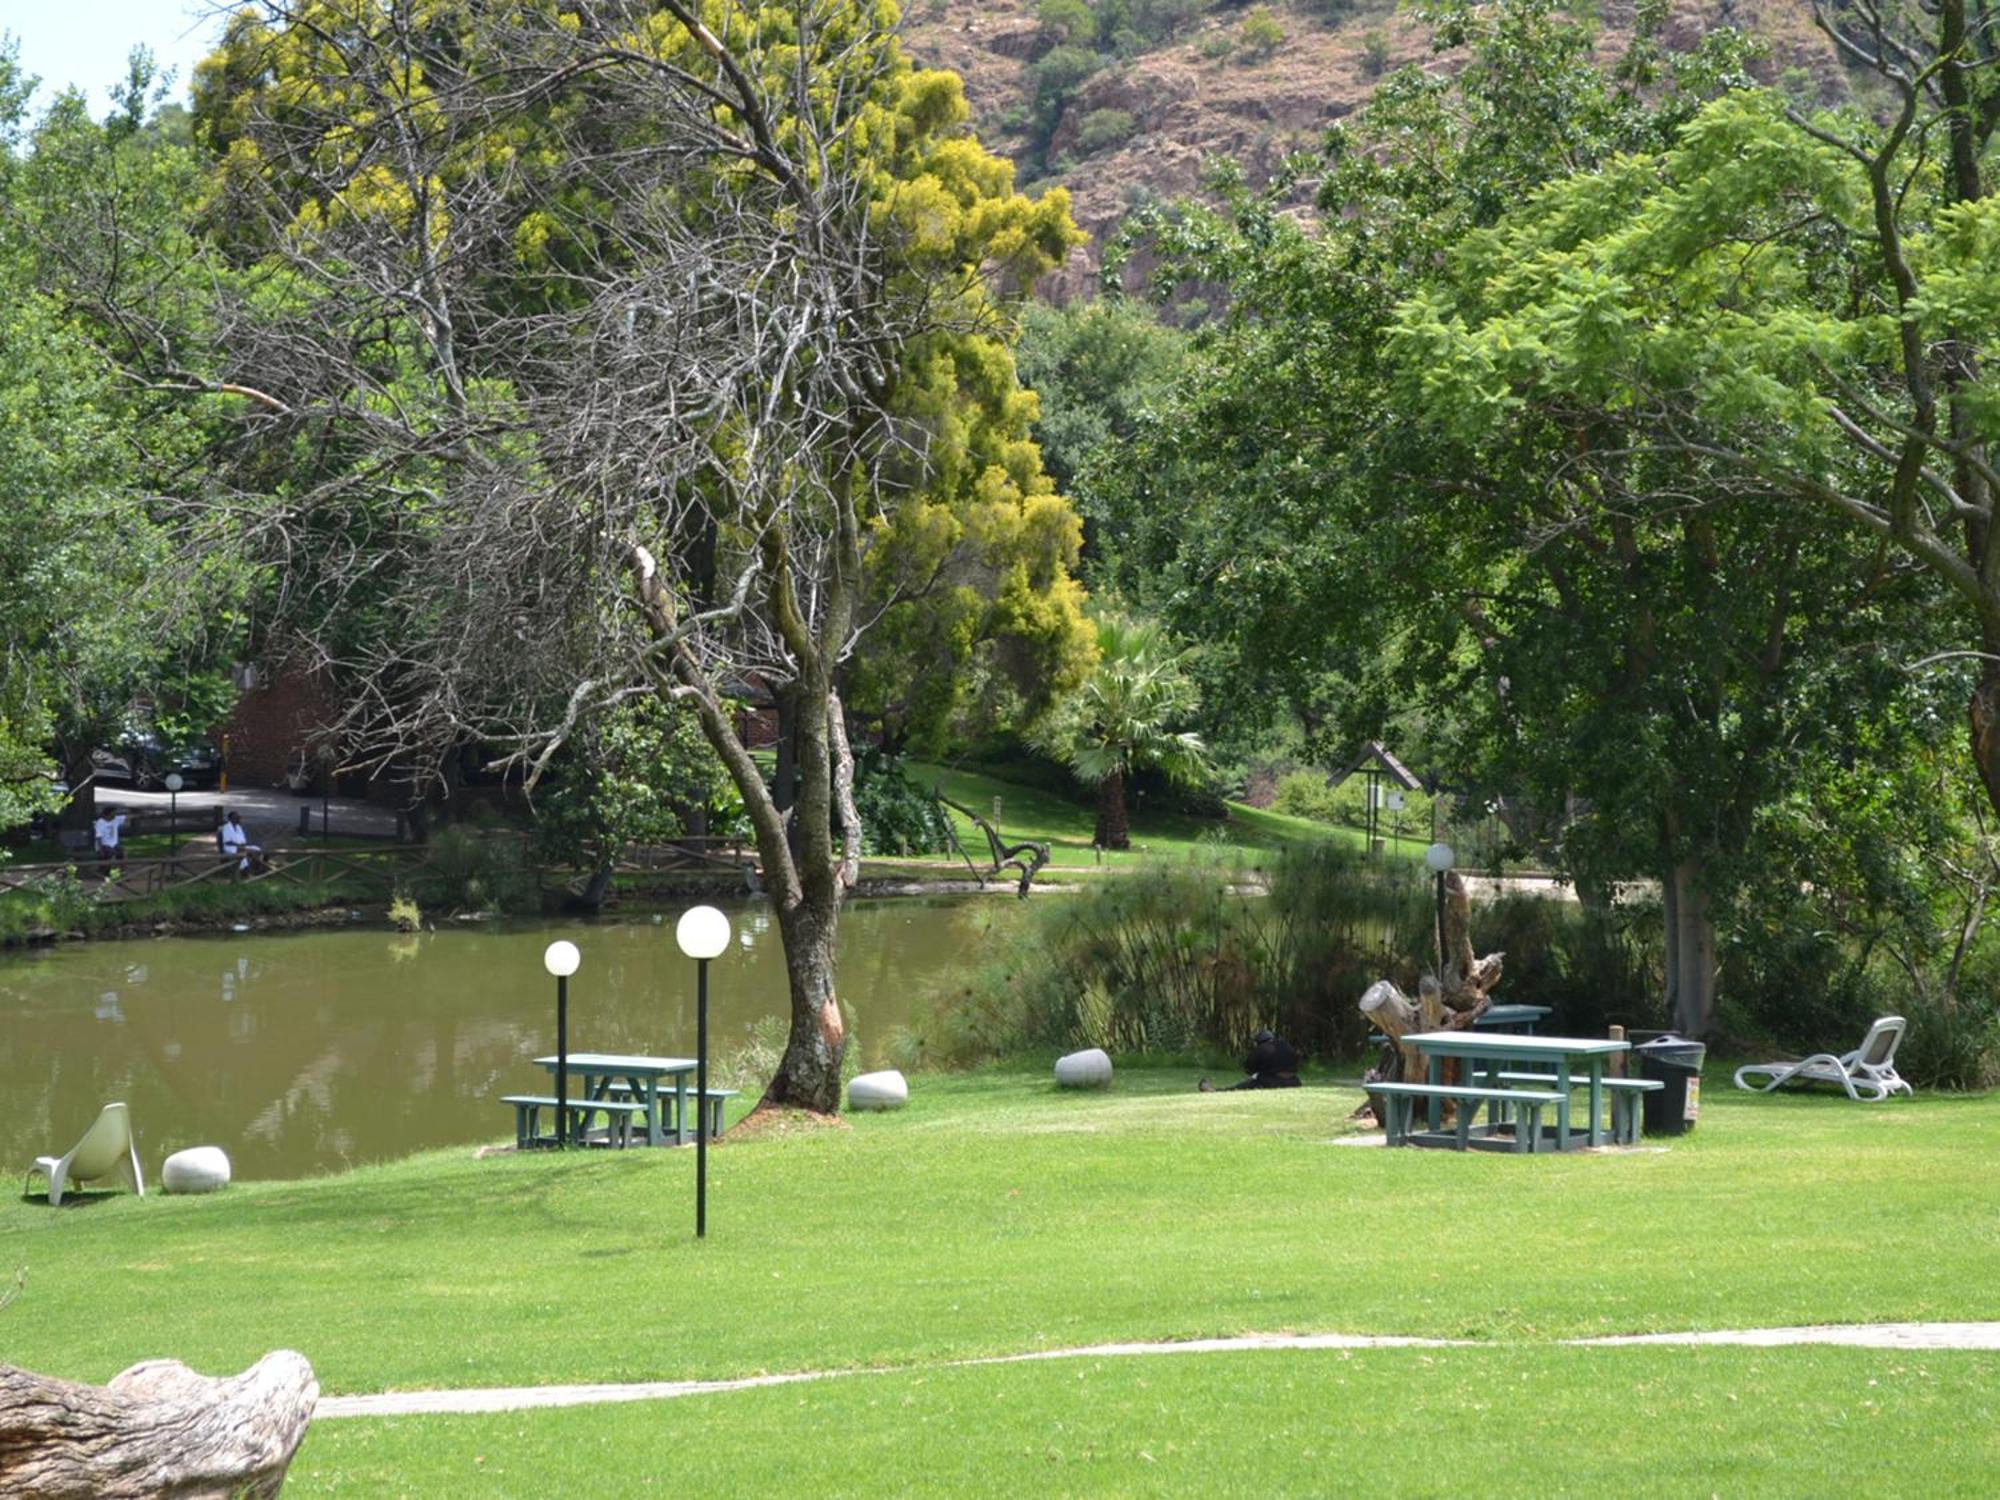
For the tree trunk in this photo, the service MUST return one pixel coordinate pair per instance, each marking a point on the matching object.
(159, 1431)
(785, 774)
(591, 897)
(81, 810)
(808, 1076)
(1984, 711)
(1690, 951)
(1113, 832)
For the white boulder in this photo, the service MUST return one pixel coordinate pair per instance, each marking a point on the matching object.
(885, 1090)
(199, 1169)
(1088, 1069)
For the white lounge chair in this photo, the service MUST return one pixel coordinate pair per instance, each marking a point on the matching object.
(105, 1147)
(1867, 1073)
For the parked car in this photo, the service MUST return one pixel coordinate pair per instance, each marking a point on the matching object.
(144, 761)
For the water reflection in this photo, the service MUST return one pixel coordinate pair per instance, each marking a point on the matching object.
(303, 1052)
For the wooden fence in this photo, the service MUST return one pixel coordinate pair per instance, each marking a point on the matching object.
(385, 869)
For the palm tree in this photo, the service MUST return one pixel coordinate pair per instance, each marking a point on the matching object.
(1120, 720)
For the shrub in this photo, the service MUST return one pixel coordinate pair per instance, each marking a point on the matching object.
(57, 902)
(474, 869)
(1216, 45)
(1187, 960)
(1261, 34)
(1375, 52)
(1305, 794)
(1103, 129)
(1801, 989)
(897, 815)
(1070, 21)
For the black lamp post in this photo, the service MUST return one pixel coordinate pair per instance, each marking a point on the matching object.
(703, 933)
(173, 784)
(561, 959)
(1439, 859)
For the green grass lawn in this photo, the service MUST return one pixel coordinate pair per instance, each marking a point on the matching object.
(1030, 813)
(1371, 1422)
(995, 1215)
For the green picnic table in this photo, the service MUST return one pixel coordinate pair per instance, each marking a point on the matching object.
(642, 1077)
(1490, 1053)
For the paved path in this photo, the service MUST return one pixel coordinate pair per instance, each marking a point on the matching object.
(519, 1398)
(270, 813)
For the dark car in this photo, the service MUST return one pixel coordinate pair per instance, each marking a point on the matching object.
(145, 760)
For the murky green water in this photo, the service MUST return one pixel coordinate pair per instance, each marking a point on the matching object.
(304, 1052)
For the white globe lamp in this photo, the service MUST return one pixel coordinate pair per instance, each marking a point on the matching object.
(703, 933)
(560, 958)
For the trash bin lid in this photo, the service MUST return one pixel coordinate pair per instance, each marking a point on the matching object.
(1679, 1048)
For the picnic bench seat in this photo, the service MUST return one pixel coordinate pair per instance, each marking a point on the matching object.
(715, 1099)
(1527, 1103)
(1624, 1092)
(618, 1116)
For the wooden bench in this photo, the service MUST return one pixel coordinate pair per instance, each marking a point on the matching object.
(669, 1100)
(1625, 1094)
(1401, 1098)
(618, 1116)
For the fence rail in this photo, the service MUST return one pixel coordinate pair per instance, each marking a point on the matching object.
(136, 879)
(389, 867)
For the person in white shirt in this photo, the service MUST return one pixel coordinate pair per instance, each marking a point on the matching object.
(235, 839)
(106, 830)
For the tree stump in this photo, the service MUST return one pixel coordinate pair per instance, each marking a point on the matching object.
(158, 1431)
(1449, 1003)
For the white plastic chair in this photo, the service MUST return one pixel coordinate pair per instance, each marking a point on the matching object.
(1868, 1073)
(106, 1146)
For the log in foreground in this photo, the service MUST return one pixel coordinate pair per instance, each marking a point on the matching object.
(158, 1430)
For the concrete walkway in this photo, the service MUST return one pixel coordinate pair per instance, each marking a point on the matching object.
(521, 1398)
(269, 813)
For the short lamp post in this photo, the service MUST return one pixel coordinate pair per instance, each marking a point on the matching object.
(174, 785)
(560, 958)
(1439, 859)
(703, 933)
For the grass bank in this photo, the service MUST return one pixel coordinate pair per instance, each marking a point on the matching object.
(1030, 813)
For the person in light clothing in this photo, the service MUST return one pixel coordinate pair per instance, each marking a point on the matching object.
(106, 830)
(235, 840)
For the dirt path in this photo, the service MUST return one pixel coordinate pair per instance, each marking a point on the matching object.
(520, 1398)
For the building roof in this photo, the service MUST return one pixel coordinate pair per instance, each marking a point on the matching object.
(1374, 757)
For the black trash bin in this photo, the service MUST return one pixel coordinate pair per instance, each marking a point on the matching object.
(1676, 1062)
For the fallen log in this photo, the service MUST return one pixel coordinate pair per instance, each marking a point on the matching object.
(1027, 857)
(158, 1431)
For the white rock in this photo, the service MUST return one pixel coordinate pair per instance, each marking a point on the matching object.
(884, 1090)
(199, 1169)
(1088, 1069)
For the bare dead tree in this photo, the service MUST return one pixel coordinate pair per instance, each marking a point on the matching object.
(654, 456)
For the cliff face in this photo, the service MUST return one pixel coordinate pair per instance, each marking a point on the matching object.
(1148, 123)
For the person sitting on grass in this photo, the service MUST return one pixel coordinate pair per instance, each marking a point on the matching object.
(1272, 1064)
(234, 839)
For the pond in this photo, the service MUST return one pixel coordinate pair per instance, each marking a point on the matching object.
(307, 1052)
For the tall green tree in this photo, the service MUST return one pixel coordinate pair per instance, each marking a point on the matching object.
(659, 346)
(1806, 302)
(101, 622)
(1635, 658)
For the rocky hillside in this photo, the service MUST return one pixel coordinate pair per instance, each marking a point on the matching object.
(1117, 119)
